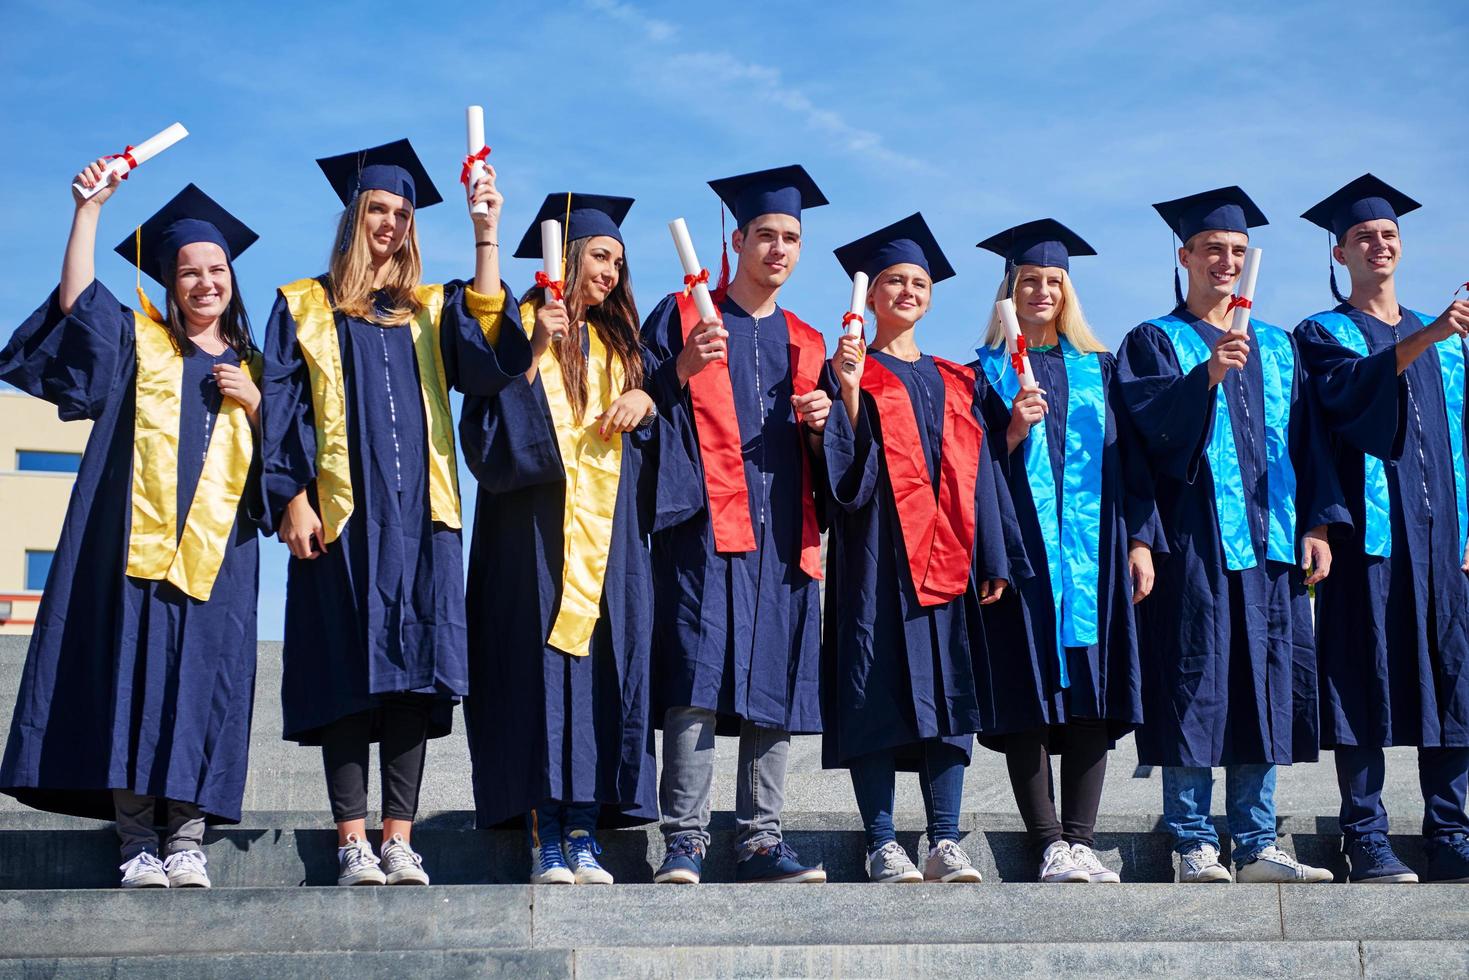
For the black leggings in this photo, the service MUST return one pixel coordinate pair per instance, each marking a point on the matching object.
(401, 725)
(1083, 767)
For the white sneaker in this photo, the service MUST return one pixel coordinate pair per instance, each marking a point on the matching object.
(947, 862)
(357, 865)
(581, 856)
(186, 869)
(1086, 859)
(1277, 867)
(404, 865)
(1057, 865)
(144, 870)
(548, 865)
(1200, 863)
(889, 865)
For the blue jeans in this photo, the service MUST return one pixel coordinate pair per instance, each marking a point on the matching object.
(1249, 802)
(553, 821)
(940, 777)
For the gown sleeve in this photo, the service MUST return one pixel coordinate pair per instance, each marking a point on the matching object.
(663, 339)
(850, 451)
(73, 360)
(1172, 412)
(680, 493)
(1361, 398)
(670, 491)
(1139, 507)
(1319, 496)
(479, 357)
(287, 422)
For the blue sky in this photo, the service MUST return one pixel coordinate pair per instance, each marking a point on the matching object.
(979, 115)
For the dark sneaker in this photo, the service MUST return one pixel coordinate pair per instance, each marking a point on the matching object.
(777, 863)
(1448, 859)
(683, 862)
(1373, 862)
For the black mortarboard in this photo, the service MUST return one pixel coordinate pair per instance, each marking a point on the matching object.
(1364, 199)
(1047, 243)
(1224, 209)
(589, 214)
(782, 190)
(906, 240)
(392, 167)
(192, 216)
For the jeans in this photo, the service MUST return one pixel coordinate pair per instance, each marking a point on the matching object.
(1443, 775)
(135, 825)
(554, 821)
(941, 778)
(688, 779)
(1249, 802)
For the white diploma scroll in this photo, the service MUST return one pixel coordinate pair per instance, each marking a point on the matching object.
(551, 253)
(474, 139)
(1015, 342)
(1241, 305)
(134, 156)
(853, 321)
(691, 266)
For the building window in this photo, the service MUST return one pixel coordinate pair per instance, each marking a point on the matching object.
(38, 566)
(45, 461)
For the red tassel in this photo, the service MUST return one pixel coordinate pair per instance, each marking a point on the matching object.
(722, 286)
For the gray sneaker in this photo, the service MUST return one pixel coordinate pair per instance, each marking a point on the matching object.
(404, 865)
(948, 863)
(1200, 863)
(357, 865)
(143, 870)
(186, 869)
(889, 864)
(1086, 859)
(1059, 866)
(1276, 867)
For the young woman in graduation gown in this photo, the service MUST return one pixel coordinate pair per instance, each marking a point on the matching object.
(360, 478)
(560, 597)
(1064, 677)
(136, 696)
(915, 501)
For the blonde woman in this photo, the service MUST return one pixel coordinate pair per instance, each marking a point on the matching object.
(360, 477)
(1069, 682)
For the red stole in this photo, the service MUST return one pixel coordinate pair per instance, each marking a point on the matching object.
(718, 431)
(938, 531)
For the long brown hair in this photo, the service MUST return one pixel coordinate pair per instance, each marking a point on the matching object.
(616, 320)
(351, 271)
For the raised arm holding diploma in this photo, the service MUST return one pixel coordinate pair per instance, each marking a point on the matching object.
(474, 163)
(124, 162)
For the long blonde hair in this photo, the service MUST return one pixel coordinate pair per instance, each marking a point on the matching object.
(351, 272)
(1070, 320)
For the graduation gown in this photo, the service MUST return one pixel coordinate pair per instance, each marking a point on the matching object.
(1229, 664)
(129, 683)
(1022, 686)
(1393, 633)
(382, 611)
(737, 633)
(544, 723)
(896, 672)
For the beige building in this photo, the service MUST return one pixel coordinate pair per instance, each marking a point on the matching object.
(39, 457)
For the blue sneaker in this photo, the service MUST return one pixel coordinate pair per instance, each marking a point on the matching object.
(777, 862)
(581, 854)
(1373, 862)
(683, 863)
(548, 866)
(1448, 859)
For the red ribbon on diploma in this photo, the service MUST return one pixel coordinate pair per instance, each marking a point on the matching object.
(544, 281)
(848, 318)
(469, 163)
(689, 282)
(1235, 302)
(1017, 359)
(126, 154)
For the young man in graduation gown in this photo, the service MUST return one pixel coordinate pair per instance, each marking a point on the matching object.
(737, 625)
(1393, 619)
(1245, 491)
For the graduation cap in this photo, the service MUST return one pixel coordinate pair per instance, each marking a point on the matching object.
(781, 190)
(1046, 243)
(392, 167)
(190, 217)
(905, 240)
(1364, 199)
(581, 215)
(1222, 209)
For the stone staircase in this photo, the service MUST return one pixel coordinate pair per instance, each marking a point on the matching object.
(61, 915)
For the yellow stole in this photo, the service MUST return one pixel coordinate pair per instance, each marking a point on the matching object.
(593, 471)
(316, 335)
(156, 551)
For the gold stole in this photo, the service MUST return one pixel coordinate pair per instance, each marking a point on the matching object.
(593, 471)
(156, 550)
(316, 335)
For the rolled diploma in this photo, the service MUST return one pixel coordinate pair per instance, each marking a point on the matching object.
(142, 153)
(859, 304)
(691, 266)
(474, 131)
(1014, 342)
(551, 252)
(1251, 272)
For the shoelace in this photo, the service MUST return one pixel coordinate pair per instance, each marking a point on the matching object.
(785, 850)
(1087, 859)
(889, 850)
(359, 856)
(549, 856)
(1379, 851)
(584, 848)
(952, 854)
(144, 858)
(185, 861)
(1278, 856)
(401, 851)
(685, 845)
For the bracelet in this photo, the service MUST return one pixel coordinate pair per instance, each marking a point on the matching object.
(486, 244)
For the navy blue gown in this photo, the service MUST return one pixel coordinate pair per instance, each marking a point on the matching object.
(382, 611)
(896, 673)
(738, 634)
(1393, 633)
(128, 683)
(1022, 690)
(1229, 661)
(543, 724)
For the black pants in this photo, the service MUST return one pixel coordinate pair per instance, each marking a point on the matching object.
(1083, 767)
(400, 723)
